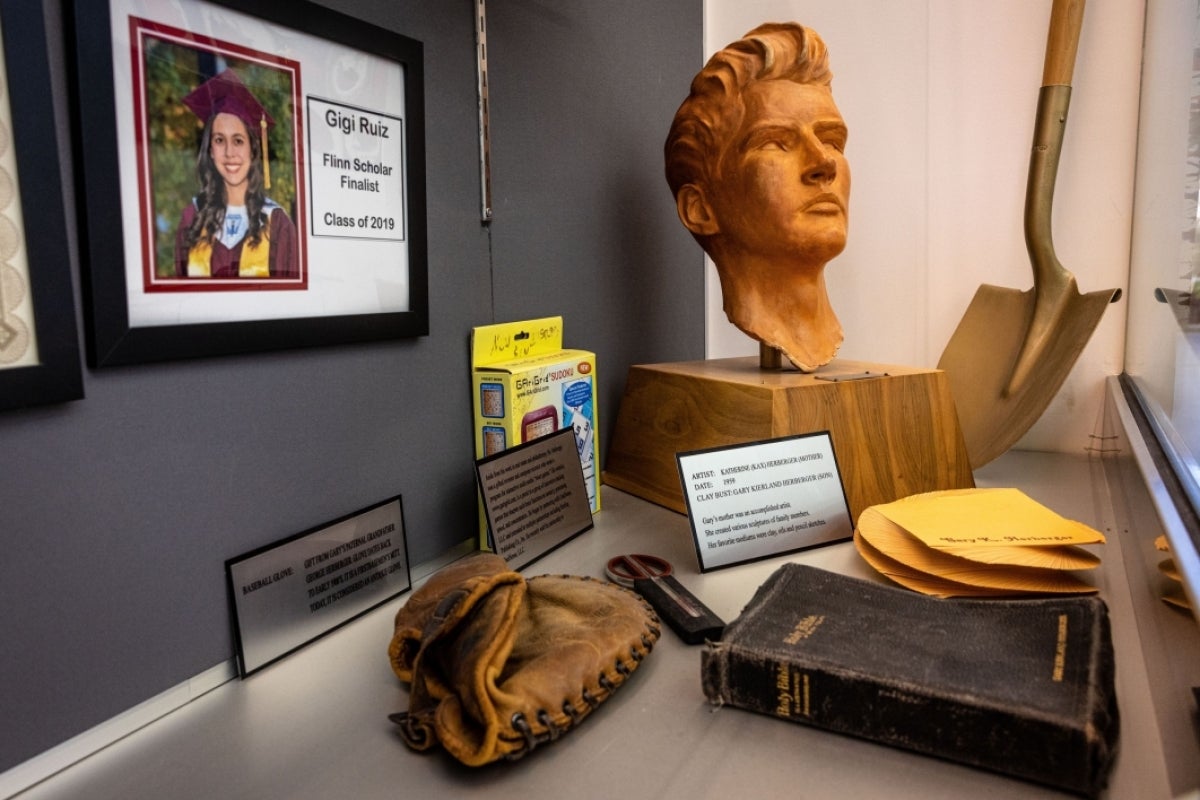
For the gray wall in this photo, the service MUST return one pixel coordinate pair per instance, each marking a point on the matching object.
(118, 511)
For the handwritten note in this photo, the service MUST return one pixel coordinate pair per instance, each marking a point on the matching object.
(980, 517)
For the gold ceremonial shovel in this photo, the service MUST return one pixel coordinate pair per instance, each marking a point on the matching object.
(1012, 350)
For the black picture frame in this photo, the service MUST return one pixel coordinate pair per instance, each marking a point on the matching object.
(57, 377)
(112, 339)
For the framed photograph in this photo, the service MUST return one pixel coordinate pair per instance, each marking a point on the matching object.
(253, 178)
(39, 343)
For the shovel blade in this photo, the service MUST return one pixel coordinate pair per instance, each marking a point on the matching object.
(980, 357)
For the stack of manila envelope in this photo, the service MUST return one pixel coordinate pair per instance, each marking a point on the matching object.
(1173, 595)
(977, 543)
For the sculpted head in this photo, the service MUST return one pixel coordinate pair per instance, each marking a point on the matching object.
(756, 161)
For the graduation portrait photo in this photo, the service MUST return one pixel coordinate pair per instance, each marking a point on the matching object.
(222, 206)
(269, 162)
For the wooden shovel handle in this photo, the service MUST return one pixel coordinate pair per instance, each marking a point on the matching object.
(1066, 19)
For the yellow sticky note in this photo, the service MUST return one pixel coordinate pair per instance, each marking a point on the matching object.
(983, 517)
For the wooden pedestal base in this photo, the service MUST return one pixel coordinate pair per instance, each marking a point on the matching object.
(894, 435)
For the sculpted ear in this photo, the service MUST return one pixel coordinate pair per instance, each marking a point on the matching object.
(694, 211)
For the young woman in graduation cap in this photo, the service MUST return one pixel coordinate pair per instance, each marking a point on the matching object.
(231, 229)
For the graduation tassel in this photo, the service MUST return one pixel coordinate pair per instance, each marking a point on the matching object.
(266, 163)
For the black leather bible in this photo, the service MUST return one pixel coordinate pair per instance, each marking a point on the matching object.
(1020, 687)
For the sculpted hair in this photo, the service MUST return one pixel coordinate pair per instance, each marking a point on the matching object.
(713, 110)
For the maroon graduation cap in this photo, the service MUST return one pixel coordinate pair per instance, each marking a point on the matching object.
(226, 94)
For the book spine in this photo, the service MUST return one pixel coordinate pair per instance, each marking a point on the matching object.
(1035, 748)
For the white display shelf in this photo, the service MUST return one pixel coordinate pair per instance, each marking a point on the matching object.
(315, 725)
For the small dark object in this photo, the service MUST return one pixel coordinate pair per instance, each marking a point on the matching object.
(683, 612)
(650, 576)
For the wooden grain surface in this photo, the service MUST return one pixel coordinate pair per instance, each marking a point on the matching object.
(894, 435)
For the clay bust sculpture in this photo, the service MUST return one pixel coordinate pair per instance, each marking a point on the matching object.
(756, 161)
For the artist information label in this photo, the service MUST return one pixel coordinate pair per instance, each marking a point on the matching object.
(753, 501)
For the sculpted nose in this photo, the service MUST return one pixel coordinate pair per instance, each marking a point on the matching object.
(819, 165)
(822, 169)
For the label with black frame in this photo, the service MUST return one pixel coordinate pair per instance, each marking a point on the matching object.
(747, 502)
(535, 497)
(291, 592)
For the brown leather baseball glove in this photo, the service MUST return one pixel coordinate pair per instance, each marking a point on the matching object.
(499, 664)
